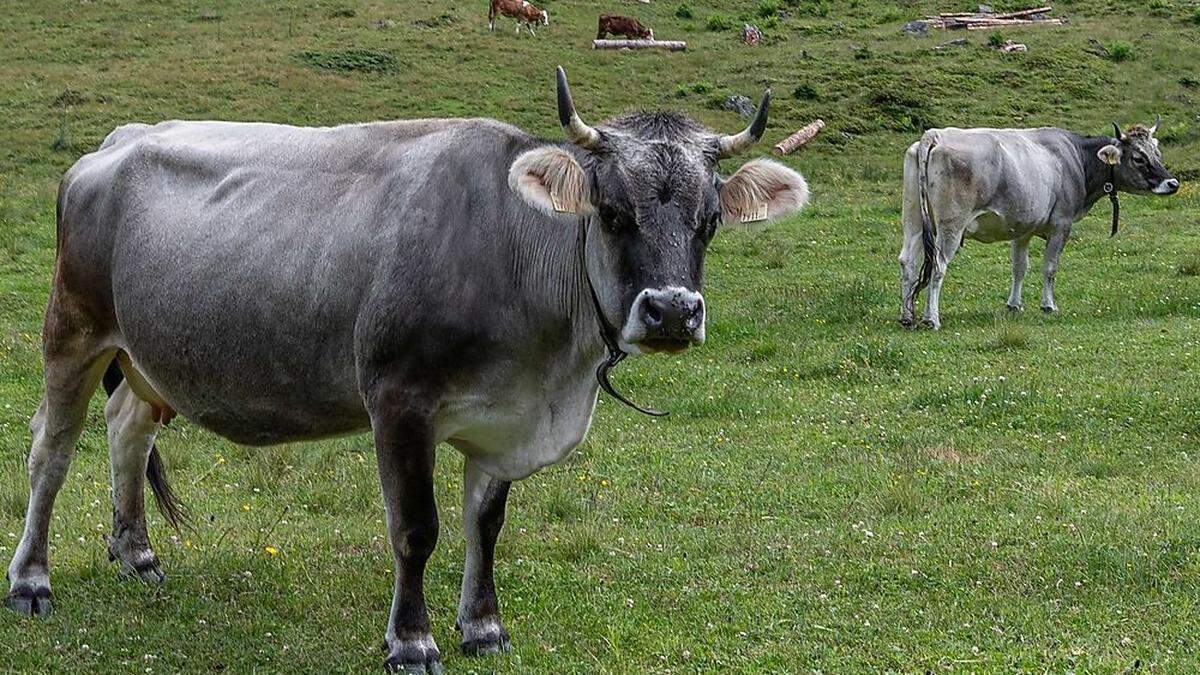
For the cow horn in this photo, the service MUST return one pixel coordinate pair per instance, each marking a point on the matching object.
(1120, 135)
(728, 146)
(577, 131)
(1157, 121)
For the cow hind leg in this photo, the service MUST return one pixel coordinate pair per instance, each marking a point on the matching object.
(948, 241)
(911, 257)
(73, 368)
(132, 426)
(484, 500)
(912, 253)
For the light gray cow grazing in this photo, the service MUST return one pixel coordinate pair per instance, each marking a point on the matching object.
(429, 280)
(1012, 185)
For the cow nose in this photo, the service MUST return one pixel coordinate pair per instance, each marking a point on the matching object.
(669, 317)
(1170, 185)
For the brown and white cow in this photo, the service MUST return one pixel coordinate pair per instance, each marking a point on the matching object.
(612, 24)
(521, 10)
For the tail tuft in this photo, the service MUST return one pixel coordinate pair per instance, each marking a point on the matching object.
(168, 502)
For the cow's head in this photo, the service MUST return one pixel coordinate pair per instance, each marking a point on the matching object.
(648, 188)
(545, 18)
(1138, 162)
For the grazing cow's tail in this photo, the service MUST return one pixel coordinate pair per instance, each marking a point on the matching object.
(928, 227)
(168, 502)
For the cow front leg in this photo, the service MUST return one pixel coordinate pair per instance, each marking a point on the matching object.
(484, 501)
(1054, 249)
(404, 448)
(1020, 263)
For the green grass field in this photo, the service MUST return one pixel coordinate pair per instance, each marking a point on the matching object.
(830, 494)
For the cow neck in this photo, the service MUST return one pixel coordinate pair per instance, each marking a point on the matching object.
(1101, 180)
(608, 332)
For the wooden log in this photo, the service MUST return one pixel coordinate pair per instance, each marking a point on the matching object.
(669, 45)
(989, 26)
(1024, 12)
(789, 144)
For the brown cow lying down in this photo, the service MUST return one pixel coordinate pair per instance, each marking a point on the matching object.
(521, 10)
(623, 25)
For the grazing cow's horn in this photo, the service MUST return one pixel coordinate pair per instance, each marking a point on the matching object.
(577, 132)
(728, 146)
(1120, 135)
(1157, 121)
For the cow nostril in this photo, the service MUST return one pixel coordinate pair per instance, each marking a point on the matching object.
(651, 314)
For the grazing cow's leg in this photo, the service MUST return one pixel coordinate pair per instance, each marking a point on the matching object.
(131, 430)
(912, 253)
(518, 27)
(404, 448)
(484, 500)
(949, 237)
(72, 370)
(1054, 249)
(1020, 263)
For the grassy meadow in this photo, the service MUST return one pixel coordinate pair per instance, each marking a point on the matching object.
(830, 494)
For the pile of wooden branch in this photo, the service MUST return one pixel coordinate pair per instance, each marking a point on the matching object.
(1035, 16)
(669, 45)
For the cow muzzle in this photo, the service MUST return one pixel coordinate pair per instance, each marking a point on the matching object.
(664, 320)
(1168, 187)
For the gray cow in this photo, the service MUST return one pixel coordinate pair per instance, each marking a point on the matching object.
(429, 280)
(1011, 185)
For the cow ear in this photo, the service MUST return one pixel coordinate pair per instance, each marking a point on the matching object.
(550, 180)
(762, 190)
(1109, 154)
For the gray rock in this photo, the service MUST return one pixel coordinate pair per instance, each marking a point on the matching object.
(740, 104)
(920, 28)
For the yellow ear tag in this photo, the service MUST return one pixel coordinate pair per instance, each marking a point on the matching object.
(755, 213)
(556, 202)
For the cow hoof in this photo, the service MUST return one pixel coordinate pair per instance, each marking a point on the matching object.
(1015, 308)
(931, 324)
(907, 322)
(1049, 310)
(150, 573)
(414, 656)
(30, 600)
(140, 564)
(483, 636)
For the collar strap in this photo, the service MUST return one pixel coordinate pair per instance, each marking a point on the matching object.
(1110, 189)
(608, 333)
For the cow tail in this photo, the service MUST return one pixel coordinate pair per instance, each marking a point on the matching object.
(169, 504)
(928, 227)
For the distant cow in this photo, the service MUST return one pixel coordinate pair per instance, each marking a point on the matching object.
(622, 25)
(521, 10)
(1012, 185)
